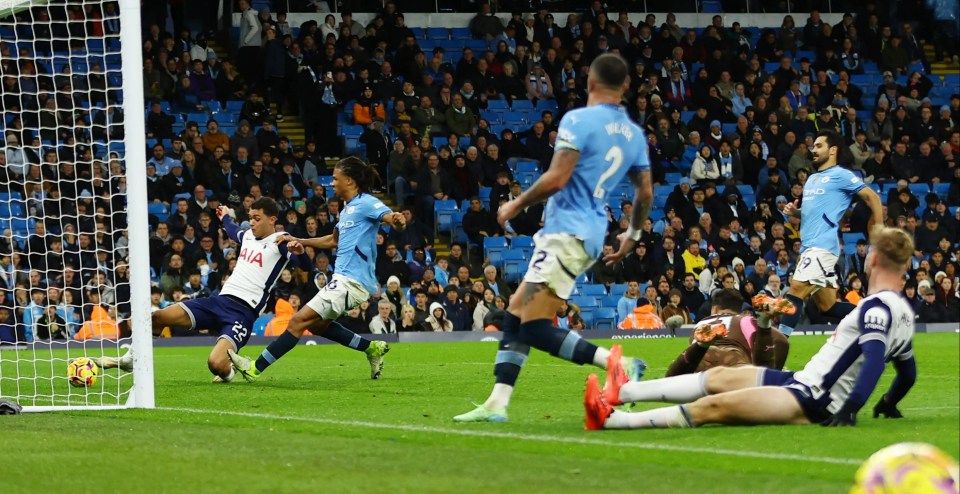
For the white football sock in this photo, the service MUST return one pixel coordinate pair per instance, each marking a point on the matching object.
(658, 418)
(499, 397)
(600, 358)
(230, 376)
(676, 389)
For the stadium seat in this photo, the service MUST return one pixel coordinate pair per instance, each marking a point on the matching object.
(593, 290)
(851, 238)
(497, 105)
(618, 289)
(941, 189)
(526, 166)
(605, 318)
(260, 325)
(610, 301)
(460, 33)
(522, 105)
(159, 210)
(437, 33)
(494, 245)
(919, 189)
(521, 242)
(514, 263)
(585, 301)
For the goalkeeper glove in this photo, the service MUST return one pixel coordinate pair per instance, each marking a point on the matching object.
(846, 416)
(887, 409)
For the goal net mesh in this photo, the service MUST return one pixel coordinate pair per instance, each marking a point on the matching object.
(65, 253)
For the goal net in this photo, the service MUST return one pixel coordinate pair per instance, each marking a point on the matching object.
(74, 267)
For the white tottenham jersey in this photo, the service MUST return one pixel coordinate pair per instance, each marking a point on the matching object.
(258, 268)
(883, 316)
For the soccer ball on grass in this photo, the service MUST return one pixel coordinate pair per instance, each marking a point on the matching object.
(82, 372)
(908, 468)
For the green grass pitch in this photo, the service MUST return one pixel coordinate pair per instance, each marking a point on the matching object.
(315, 423)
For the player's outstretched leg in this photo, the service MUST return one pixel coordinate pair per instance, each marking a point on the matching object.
(511, 355)
(307, 318)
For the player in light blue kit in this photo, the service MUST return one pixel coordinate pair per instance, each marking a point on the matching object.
(355, 239)
(596, 147)
(826, 198)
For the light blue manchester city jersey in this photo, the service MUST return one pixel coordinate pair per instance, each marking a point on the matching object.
(826, 197)
(610, 145)
(357, 245)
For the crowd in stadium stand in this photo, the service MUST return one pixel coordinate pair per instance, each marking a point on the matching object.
(730, 114)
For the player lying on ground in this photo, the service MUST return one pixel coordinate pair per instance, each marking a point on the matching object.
(729, 339)
(826, 197)
(355, 238)
(830, 389)
(596, 147)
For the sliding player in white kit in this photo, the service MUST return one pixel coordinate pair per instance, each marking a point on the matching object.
(242, 298)
(355, 239)
(830, 389)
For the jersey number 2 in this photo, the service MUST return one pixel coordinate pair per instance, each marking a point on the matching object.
(615, 157)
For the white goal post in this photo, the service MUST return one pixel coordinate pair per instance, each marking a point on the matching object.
(73, 204)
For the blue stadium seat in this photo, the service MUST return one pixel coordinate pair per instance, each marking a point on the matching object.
(514, 263)
(234, 105)
(851, 238)
(159, 210)
(610, 301)
(919, 189)
(871, 68)
(585, 301)
(461, 33)
(605, 318)
(494, 245)
(497, 105)
(672, 178)
(527, 166)
(444, 213)
(618, 289)
(521, 242)
(593, 290)
(522, 105)
(941, 189)
(437, 33)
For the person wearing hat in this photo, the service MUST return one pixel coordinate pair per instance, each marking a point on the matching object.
(931, 310)
(367, 107)
(678, 93)
(928, 237)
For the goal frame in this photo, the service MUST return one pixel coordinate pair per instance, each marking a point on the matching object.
(141, 394)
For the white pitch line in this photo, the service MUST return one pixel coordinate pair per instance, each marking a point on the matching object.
(526, 437)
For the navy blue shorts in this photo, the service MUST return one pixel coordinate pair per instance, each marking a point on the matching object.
(231, 317)
(814, 408)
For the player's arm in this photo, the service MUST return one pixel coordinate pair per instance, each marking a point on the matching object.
(233, 230)
(297, 254)
(906, 367)
(394, 220)
(324, 242)
(873, 201)
(642, 204)
(875, 321)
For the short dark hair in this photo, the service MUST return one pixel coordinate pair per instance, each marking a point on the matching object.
(267, 205)
(610, 70)
(727, 299)
(834, 139)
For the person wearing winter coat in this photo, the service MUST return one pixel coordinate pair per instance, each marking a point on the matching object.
(437, 320)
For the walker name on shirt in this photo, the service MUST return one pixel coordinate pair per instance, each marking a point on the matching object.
(614, 128)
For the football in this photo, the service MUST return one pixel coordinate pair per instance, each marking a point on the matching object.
(82, 372)
(907, 467)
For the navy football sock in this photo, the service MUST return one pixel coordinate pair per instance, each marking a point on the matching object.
(336, 332)
(512, 353)
(278, 348)
(839, 310)
(568, 345)
(789, 321)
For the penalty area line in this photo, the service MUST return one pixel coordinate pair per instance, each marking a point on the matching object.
(523, 437)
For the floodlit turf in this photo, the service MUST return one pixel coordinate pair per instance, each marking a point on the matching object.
(315, 423)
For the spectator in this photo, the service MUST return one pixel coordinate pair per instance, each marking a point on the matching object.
(383, 323)
(367, 108)
(643, 317)
(930, 309)
(493, 282)
(437, 320)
